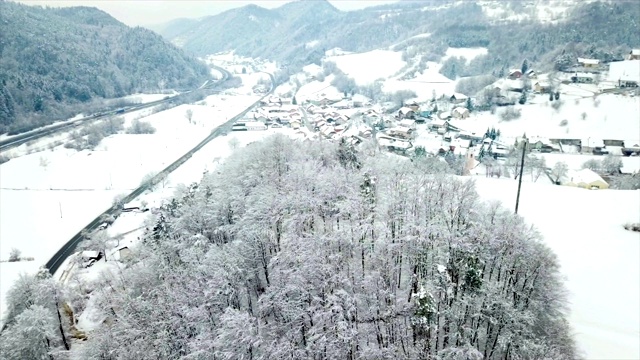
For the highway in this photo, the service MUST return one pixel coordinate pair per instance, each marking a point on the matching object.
(69, 248)
(20, 139)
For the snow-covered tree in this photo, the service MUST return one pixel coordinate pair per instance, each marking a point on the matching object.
(559, 170)
(289, 251)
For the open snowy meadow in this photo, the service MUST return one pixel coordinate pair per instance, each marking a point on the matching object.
(600, 259)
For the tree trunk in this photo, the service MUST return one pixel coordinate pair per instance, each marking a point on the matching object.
(64, 339)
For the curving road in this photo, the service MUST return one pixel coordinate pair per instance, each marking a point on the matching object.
(69, 248)
(20, 139)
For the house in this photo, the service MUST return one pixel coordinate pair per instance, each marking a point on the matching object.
(406, 113)
(255, 126)
(460, 113)
(401, 132)
(531, 74)
(612, 142)
(630, 148)
(438, 124)
(625, 73)
(342, 104)
(542, 87)
(413, 106)
(123, 253)
(360, 100)
(327, 131)
(585, 178)
(514, 74)
(458, 98)
(295, 124)
(583, 78)
(634, 54)
(408, 123)
(588, 63)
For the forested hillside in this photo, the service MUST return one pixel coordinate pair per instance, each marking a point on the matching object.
(310, 250)
(298, 33)
(51, 60)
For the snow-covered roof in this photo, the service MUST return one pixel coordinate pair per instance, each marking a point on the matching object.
(438, 122)
(407, 122)
(625, 70)
(460, 110)
(584, 75)
(588, 61)
(405, 110)
(513, 71)
(459, 96)
(586, 176)
(635, 52)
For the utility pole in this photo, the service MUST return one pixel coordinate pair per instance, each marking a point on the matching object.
(60, 206)
(524, 149)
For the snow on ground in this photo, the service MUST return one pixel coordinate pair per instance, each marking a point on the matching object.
(467, 53)
(575, 161)
(312, 69)
(424, 84)
(599, 258)
(284, 89)
(145, 98)
(369, 66)
(336, 52)
(86, 182)
(616, 117)
(316, 89)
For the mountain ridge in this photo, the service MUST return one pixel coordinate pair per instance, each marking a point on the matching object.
(54, 61)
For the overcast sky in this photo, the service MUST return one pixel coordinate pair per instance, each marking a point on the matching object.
(150, 12)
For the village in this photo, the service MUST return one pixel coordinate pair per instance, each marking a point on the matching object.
(444, 125)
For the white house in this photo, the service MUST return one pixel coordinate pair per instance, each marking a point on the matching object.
(255, 126)
(460, 112)
(625, 73)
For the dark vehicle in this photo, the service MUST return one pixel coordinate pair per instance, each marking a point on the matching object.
(120, 111)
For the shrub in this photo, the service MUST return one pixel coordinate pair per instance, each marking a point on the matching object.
(556, 105)
(4, 159)
(140, 127)
(592, 164)
(632, 227)
(564, 122)
(15, 255)
(510, 113)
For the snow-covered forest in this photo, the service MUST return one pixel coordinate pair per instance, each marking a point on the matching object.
(311, 250)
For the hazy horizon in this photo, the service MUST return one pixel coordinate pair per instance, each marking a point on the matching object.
(155, 12)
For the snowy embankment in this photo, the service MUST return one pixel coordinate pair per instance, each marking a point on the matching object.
(598, 257)
(38, 220)
(609, 116)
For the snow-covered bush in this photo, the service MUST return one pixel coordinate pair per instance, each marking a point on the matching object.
(142, 127)
(510, 113)
(15, 255)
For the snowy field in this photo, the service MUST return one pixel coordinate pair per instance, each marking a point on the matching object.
(601, 260)
(467, 53)
(369, 66)
(85, 183)
(424, 84)
(615, 117)
(317, 90)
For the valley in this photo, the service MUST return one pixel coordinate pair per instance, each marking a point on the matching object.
(335, 153)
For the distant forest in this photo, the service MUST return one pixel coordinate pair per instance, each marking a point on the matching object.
(57, 61)
(603, 30)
